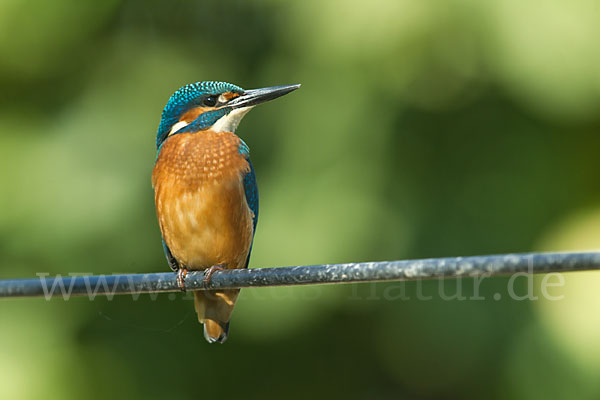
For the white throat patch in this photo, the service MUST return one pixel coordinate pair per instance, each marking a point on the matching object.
(178, 126)
(230, 122)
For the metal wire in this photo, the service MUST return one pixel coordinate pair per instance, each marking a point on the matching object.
(494, 265)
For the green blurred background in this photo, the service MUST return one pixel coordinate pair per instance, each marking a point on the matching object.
(422, 129)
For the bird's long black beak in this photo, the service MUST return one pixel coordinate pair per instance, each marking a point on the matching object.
(256, 96)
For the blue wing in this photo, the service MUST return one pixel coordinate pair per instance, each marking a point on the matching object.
(170, 259)
(251, 191)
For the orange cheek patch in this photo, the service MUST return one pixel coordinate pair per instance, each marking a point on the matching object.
(230, 95)
(195, 113)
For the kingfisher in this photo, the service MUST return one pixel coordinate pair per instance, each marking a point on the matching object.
(205, 189)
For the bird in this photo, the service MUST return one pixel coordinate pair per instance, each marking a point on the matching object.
(205, 189)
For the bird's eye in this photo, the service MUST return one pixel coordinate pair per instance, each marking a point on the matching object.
(210, 101)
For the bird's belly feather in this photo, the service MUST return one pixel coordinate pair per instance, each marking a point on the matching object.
(204, 222)
(209, 227)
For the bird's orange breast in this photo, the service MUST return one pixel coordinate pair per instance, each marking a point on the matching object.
(200, 200)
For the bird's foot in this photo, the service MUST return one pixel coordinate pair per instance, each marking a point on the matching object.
(208, 273)
(181, 274)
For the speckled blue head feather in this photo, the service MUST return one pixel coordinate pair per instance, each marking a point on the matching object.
(186, 98)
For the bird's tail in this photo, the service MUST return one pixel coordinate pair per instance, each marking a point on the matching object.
(214, 308)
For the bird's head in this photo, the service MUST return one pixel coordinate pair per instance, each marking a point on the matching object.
(218, 106)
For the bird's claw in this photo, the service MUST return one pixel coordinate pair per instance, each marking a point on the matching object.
(181, 274)
(208, 273)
